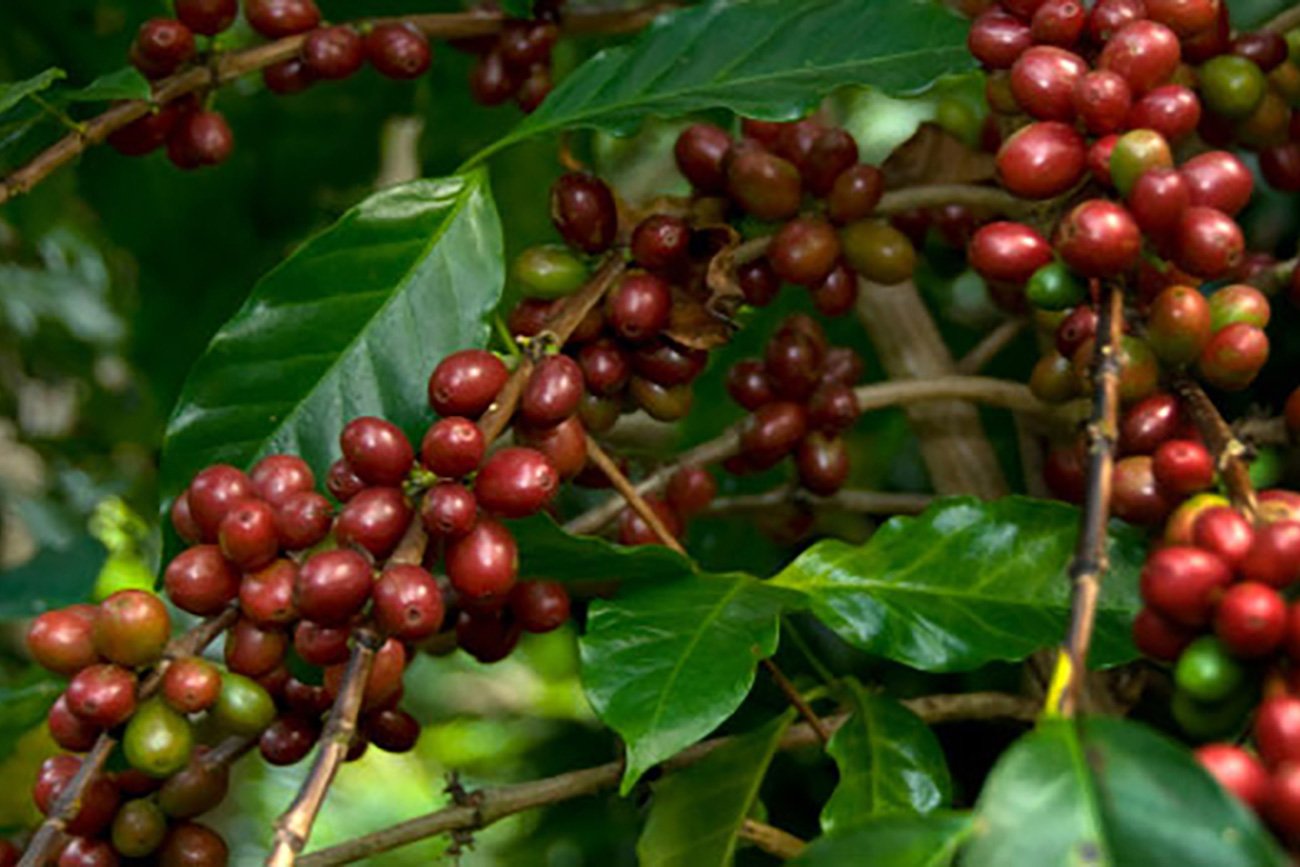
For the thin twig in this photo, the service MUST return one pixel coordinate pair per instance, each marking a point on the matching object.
(496, 803)
(772, 840)
(41, 847)
(796, 700)
(987, 349)
(1091, 558)
(1223, 443)
(634, 500)
(229, 67)
(993, 199)
(847, 500)
(1285, 20)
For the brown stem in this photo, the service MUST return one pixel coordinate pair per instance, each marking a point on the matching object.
(934, 195)
(772, 840)
(987, 349)
(863, 502)
(978, 389)
(1091, 558)
(1285, 20)
(229, 67)
(1263, 431)
(796, 700)
(42, 844)
(493, 804)
(1228, 450)
(629, 494)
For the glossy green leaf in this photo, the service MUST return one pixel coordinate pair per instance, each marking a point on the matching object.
(1110, 792)
(894, 840)
(546, 551)
(124, 83)
(14, 92)
(966, 583)
(889, 762)
(771, 59)
(697, 811)
(663, 664)
(351, 324)
(23, 706)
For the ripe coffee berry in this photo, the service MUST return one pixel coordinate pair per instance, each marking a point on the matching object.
(333, 52)
(201, 581)
(288, 740)
(1042, 160)
(997, 39)
(466, 382)
(700, 151)
(488, 636)
(1102, 100)
(393, 731)
(1251, 620)
(276, 18)
(200, 138)
(408, 604)
(1043, 79)
(661, 242)
(516, 482)
(1183, 583)
(1233, 357)
(762, 183)
(182, 521)
(214, 492)
(634, 530)
(1274, 556)
(208, 17)
(103, 695)
(539, 606)
(1183, 467)
(287, 77)
(1237, 771)
(1148, 423)
(303, 519)
(191, 685)
(452, 447)
(448, 510)
(132, 628)
(68, 730)
(189, 843)
(146, 134)
(248, 536)
(690, 490)
(1158, 199)
(332, 586)
(1008, 252)
(342, 481)
(639, 307)
(564, 445)
(1099, 239)
(377, 451)
(374, 519)
(1224, 532)
(772, 432)
(1145, 53)
(63, 641)
(1138, 499)
(1277, 729)
(161, 46)
(855, 194)
(552, 392)
(318, 644)
(1171, 110)
(804, 251)
(398, 51)
(583, 211)
(276, 477)
(252, 650)
(483, 563)
(384, 686)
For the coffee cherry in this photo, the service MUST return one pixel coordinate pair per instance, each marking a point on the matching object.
(833, 152)
(190, 844)
(1224, 532)
(1059, 22)
(487, 636)
(837, 294)
(552, 392)
(795, 141)
(822, 462)
(690, 490)
(1291, 413)
(99, 801)
(266, 596)
(306, 699)
(793, 363)
(1251, 620)
(1183, 583)
(1109, 16)
(1099, 239)
(383, 686)
(491, 80)
(564, 445)
(1233, 357)
(661, 242)
(1218, 179)
(1054, 287)
(1183, 467)
(191, 685)
(1171, 110)
(68, 730)
(254, 651)
(132, 628)
(1232, 86)
(452, 447)
(321, 645)
(1280, 166)
(393, 731)
(1207, 672)
(398, 51)
(377, 451)
(1139, 373)
(1099, 154)
(1137, 497)
(146, 134)
(332, 586)
(375, 520)
(700, 152)
(1237, 771)
(158, 740)
(484, 562)
(1158, 200)
(516, 482)
(1041, 160)
(996, 39)
(1135, 153)
(208, 17)
(63, 640)
(763, 184)
(9, 854)
(288, 740)
(85, 852)
(199, 580)
(138, 828)
(333, 52)
(639, 306)
(1101, 101)
(1052, 379)
(1159, 638)
(448, 510)
(804, 251)
(1274, 557)
(277, 18)
(408, 604)
(303, 519)
(248, 535)
(287, 77)
(214, 492)
(243, 707)
(1277, 729)
(195, 789)
(665, 363)
(466, 383)
(102, 695)
(605, 367)
(1145, 53)
(634, 531)
(749, 385)
(1008, 252)
(1043, 79)
(878, 251)
(583, 211)
(200, 138)
(855, 194)
(1239, 303)
(526, 44)
(1148, 423)
(342, 481)
(772, 432)
(539, 606)
(276, 477)
(1184, 17)
(161, 46)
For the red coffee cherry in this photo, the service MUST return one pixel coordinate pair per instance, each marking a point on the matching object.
(398, 51)
(1008, 252)
(214, 492)
(1233, 357)
(1137, 497)
(1184, 17)
(384, 686)
(189, 844)
(318, 644)
(377, 450)
(448, 510)
(161, 46)
(665, 363)
(822, 462)
(1043, 81)
(539, 606)
(63, 640)
(583, 211)
(252, 650)
(68, 730)
(1184, 583)
(1218, 179)
(1099, 239)
(488, 636)
(1237, 771)
(1265, 48)
(700, 151)
(1183, 467)
(1158, 200)
(1042, 160)
(1179, 324)
(303, 519)
(804, 251)
(661, 242)
(248, 535)
(855, 194)
(763, 184)
(289, 739)
(833, 409)
(837, 294)
(266, 596)
(516, 482)
(1146, 53)
(132, 628)
(452, 447)
(483, 563)
(200, 138)
(1280, 166)
(191, 685)
(333, 52)
(466, 383)
(552, 392)
(393, 731)
(491, 80)
(1277, 729)
(195, 789)
(85, 852)
(748, 384)
(1274, 558)
(199, 580)
(306, 699)
(1102, 100)
(98, 803)
(1225, 532)
(332, 586)
(833, 152)
(148, 133)
(633, 530)
(287, 77)
(1099, 155)
(605, 367)
(772, 432)
(690, 490)
(276, 477)
(1251, 620)
(1059, 22)
(208, 17)
(1159, 638)
(639, 307)
(526, 44)
(102, 695)
(375, 520)
(996, 39)
(1172, 110)
(408, 604)
(1148, 423)
(342, 481)
(277, 18)
(795, 141)
(564, 445)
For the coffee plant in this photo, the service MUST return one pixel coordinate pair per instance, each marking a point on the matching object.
(836, 432)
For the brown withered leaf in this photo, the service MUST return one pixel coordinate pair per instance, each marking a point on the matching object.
(935, 156)
(703, 311)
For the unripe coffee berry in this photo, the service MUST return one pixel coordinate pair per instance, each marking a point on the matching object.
(132, 628)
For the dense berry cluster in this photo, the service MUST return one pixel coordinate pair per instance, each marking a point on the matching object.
(516, 64)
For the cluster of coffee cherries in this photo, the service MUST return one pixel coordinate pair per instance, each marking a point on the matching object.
(515, 64)
(801, 400)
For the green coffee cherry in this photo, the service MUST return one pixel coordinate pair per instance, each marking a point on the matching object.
(244, 707)
(139, 828)
(1212, 721)
(549, 271)
(158, 740)
(1207, 672)
(1232, 86)
(1055, 287)
(1137, 152)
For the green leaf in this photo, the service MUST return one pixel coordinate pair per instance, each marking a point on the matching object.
(889, 762)
(967, 583)
(546, 551)
(1110, 792)
(14, 92)
(697, 811)
(516, 8)
(125, 83)
(23, 706)
(664, 664)
(350, 324)
(770, 59)
(896, 841)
